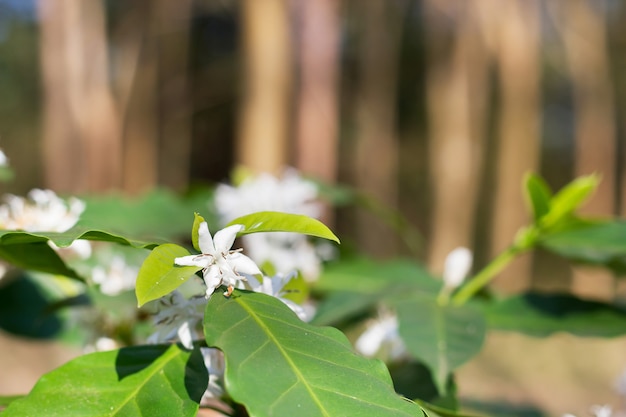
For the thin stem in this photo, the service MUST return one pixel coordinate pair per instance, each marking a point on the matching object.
(487, 274)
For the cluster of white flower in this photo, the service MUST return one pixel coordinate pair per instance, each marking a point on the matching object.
(118, 277)
(41, 211)
(290, 193)
(288, 253)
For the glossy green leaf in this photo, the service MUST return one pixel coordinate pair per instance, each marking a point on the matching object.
(197, 220)
(272, 221)
(569, 198)
(600, 243)
(37, 256)
(142, 381)
(538, 194)
(277, 365)
(543, 314)
(443, 337)
(159, 276)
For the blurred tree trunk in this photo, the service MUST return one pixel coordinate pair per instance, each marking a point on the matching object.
(582, 27)
(137, 89)
(153, 43)
(81, 138)
(375, 150)
(317, 138)
(457, 89)
(174, 29)
(267, 66)
(516, 39)
(316, 129)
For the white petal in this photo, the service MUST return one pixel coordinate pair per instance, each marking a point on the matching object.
(205, 241)
(184, 334)
(242, 264)
(212, 279)
(225, 238)
(194, 260)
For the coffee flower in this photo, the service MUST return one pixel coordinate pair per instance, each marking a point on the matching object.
(220, 264)
(178, 318)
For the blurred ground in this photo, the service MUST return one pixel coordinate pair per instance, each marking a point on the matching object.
(558, 374)
(23, 361)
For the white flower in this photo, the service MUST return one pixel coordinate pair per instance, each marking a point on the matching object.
(178, 316)
(221, 265)
(381, 333)
(214, 362)
(117, 278)
(274, 286)
(103, 344)
(456, 267)
(42, 211)
(290, 193)
(265, 192)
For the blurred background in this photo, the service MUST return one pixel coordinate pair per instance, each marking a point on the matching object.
(435, 108)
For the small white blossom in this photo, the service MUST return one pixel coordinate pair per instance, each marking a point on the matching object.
(117, 278)
(456, 267)
(178, 317)
(42, 211)
(381, 334)
(221, 265)
(289, 193)
(274, 286)
(265, 192)
(215, 365)
(103, 344)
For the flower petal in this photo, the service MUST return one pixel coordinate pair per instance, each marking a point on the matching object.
(184, 334)
(225, 238)
(212, 279)
(242, 264)
(194, 260)
(205, 241)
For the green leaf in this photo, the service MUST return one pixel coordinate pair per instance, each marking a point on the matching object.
(443, 337)
(312, 370)
(138, 381)
(538, 194)
(435, 411)
(600, 243)
(37, 256)
(159, 276)
(569, 198)
(8, 399)
(273, 221)
(543, 314)
(197, 220)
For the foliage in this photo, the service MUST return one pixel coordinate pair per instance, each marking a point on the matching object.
(276, 364)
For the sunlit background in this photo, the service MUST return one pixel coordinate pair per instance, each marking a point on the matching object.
(433, 108)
